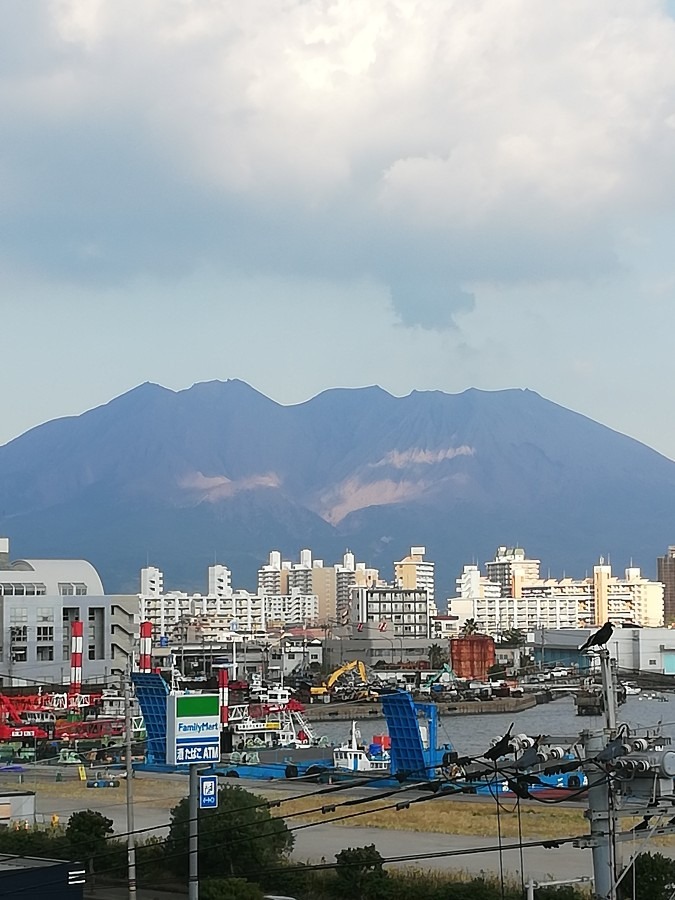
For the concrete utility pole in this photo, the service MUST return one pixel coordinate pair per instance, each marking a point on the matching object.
(193, 813)
(601, 810)
(131, 838)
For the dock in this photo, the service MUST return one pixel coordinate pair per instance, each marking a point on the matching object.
(345, 712)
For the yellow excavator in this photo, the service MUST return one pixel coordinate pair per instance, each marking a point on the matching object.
(351, 690)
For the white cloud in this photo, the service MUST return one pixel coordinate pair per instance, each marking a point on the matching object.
(424, 143)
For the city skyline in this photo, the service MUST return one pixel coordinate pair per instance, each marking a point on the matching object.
(417, 196)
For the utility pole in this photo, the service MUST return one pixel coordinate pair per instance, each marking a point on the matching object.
(193, 856)
(601, 810)
(131, 840)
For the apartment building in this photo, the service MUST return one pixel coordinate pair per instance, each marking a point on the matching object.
(665, 573)
(296, 608)
(39, 601)
(395, 610)
(331, 584)
(238, 610)
(565, 603)
(509, 562)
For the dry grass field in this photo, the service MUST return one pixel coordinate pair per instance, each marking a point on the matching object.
(440, 815)
(446, 816)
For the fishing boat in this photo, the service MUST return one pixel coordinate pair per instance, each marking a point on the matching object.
(353, 756)
(276, 722)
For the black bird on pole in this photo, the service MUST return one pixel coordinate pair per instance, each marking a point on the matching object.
(600, 638)
(501, 748)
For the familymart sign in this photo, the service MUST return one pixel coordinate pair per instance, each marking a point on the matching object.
(192, 729)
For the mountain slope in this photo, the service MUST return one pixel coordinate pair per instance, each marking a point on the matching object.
(221, 471)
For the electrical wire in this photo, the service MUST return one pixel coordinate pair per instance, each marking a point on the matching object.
(264, 804)
(443, 854)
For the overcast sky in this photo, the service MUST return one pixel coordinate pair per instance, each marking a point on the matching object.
(422, 194)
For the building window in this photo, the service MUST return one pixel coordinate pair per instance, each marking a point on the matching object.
(18, 634)
(92, 651)
(18, 615)
(45, 654)
(45, 634)
(66, 590)
(45, 614)
(81, 590)
(19, 654)
(652, 662)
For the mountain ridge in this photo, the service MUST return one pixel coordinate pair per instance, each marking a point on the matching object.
(219, 467)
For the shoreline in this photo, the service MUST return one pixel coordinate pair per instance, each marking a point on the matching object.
(344, 712)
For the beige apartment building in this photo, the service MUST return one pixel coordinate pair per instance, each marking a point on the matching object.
(573, 603)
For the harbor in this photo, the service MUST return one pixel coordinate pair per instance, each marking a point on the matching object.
(345, 712)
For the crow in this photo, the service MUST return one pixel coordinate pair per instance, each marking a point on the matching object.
(600, 637)
(501, 748)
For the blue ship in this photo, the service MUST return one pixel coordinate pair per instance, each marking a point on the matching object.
(414, 755)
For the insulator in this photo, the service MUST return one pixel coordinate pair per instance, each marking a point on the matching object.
(640, 744)
(668, 763)
(556, 753)
(631, 764)
(522, 741)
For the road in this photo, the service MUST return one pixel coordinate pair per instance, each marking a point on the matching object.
(322, 842)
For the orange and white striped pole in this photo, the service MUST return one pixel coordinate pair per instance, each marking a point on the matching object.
(145, 656)
(76, 645)
(224, 694)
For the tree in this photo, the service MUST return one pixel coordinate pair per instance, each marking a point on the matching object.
(470, 627)
(228, 889)
(360, 873)
(654, 878)
(438, 656)
(238, 838)
(513, 637)
(87, 832)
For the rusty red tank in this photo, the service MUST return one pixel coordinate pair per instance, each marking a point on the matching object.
(472, 655)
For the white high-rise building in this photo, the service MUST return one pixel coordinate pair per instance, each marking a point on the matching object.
(152, 582)
(471, 585)
(270, 576)
(220, 581)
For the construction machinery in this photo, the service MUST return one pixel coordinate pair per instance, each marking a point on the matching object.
(348, 682)
(440, 681)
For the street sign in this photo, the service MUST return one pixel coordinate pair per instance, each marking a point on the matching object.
(208, 791)
(192, 729)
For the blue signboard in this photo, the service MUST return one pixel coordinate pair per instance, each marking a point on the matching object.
(208, 791)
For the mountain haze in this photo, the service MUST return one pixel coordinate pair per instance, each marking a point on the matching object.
(219, 471)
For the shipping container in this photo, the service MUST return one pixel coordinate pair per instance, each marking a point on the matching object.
(472, 656)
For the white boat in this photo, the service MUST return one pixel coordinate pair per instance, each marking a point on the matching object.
(277, 721)
(353, 756)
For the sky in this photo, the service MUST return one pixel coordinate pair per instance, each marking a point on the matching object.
(305, 194)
